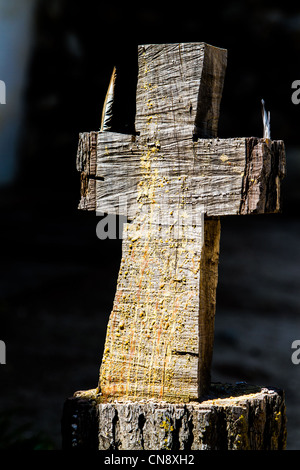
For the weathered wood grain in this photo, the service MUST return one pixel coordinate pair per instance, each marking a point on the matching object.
(240, 417)
(179, 87)
(173, 179)
(265, 168)
(152, 344)
(224, 176)
(86, 164)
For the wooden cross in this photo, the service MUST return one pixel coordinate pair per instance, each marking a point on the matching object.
(173, 179)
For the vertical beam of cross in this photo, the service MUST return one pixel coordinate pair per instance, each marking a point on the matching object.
(160, 334)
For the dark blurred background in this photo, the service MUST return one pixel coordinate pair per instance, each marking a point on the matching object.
(58, 279)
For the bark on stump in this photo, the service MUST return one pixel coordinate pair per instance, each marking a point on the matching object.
(231, 417)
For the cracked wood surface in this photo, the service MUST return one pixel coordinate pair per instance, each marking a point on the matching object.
(173, 179)
(224, 176)
(231, 417)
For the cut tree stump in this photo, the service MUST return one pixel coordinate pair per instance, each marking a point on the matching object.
(173, 179)
(240, 417)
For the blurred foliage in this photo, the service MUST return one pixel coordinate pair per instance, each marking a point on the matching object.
(21, 437)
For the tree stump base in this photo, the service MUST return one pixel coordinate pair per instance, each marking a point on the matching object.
(231, 417)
